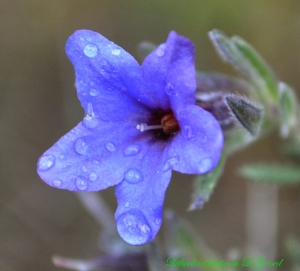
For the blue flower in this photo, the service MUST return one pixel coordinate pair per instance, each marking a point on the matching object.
(140, 123)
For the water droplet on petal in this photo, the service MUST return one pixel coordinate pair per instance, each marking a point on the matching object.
(182, 114)
(170, 89)
(80, 146)
(171, 162)
(206, 165)
(57, 183)
(160, 51)
(61, 156)
(134, 227)
(104, 62)
(93, 176)
(93, 92)
(157, 221)
(89, 121)
(108, 183)
(46, 162)
(110, 147)
(90, 110)
(105, 74)
(84, 169)
(90, 50)
(133, 176)
(96, 162)
(81, 184)
(132, 150)
(187, 131)
(116, 51)
(126, 204)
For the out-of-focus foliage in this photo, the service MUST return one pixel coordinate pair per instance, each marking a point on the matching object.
(275, 174)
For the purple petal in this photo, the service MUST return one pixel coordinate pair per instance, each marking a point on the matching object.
(171, 72)
(140, 200)
(94, 159)
(197, 146)
(108, 78)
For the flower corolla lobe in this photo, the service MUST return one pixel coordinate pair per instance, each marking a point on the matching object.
(107, 148)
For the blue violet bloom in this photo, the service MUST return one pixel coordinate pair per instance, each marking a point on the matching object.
(141, 122)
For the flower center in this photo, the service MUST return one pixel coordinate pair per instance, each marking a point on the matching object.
(169, 125)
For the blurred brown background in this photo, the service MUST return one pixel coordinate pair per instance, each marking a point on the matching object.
(38, 104)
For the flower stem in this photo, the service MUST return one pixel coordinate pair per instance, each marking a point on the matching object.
(96, 206)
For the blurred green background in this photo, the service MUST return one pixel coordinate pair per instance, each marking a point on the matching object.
(38, 104)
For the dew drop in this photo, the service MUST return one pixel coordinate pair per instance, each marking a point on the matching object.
(157, 221)
(171, 162)
(126, 204)
(187, 131)
(102, 71)
(160, 51)
(170, 89)
(206, 165)
(93, 176)
(182, 114)
(133, 176)
(61, 156)
(46, 162)
(104, 62)
(89, 121)
(108, 183)
(110, 147)
(96, 162)
(90, 110)
(134, 227)
(90, 50)
(57, 183)
(84, 169)
(132, 150)
(116, 51)
(93, 92)
(81, 184)
(80, 146)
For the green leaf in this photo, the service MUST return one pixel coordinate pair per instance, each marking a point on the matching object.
(247, 113)
(228, 51)
(273, 174)
(246, 60)
(204, 186)
(145, 48)
(288, 109)
(260, 72)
